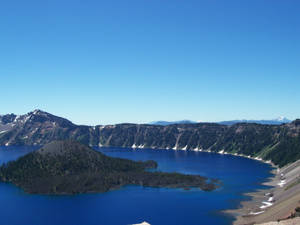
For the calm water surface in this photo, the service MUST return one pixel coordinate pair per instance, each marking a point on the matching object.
(134, 204)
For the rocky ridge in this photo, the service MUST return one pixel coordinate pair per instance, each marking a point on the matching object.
(277, 143)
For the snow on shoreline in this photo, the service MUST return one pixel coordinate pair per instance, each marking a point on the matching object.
(266, 205)
(281, 183)
(197, 149)
(256, 213)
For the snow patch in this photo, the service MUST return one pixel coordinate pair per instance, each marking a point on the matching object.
(256, 213)
(27, 118)
(266, 205)
(281, 183)
(17, 118)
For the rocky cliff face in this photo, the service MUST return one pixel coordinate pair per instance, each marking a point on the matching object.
(279, 143)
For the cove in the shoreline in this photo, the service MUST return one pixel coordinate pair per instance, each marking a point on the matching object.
(133, 204)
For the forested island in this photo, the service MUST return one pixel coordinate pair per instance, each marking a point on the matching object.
(68, 167)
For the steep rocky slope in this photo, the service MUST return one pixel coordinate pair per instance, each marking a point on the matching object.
(278, 203)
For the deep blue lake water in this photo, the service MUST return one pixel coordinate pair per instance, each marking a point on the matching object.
(134, 204)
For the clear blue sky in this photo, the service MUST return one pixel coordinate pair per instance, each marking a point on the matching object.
(101, 62)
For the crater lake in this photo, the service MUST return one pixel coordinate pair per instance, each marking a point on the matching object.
(135, 204)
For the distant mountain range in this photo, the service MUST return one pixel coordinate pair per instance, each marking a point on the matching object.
(279, 143)
(166, 123)
(278, 121)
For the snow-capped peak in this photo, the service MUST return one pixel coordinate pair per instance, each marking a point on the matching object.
(281, 118)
